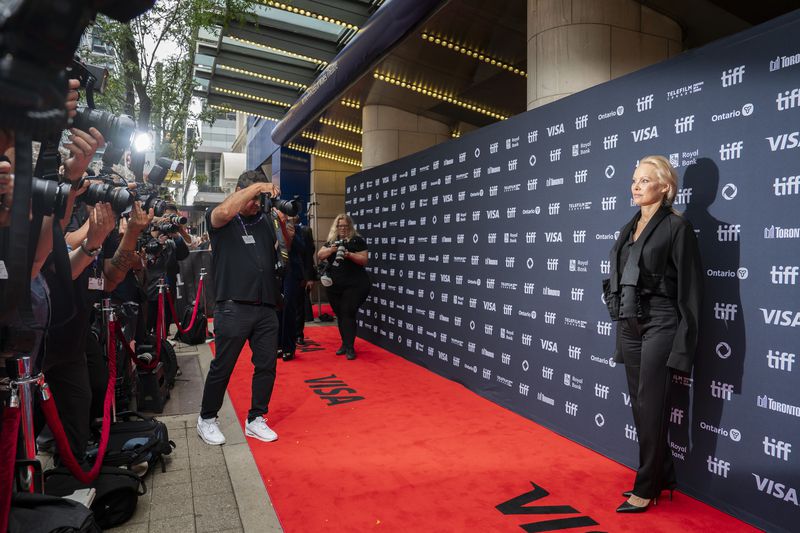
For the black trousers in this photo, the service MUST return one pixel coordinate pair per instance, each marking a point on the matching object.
(235, 323)
(345, 302)
(646, 345)
(302, 312)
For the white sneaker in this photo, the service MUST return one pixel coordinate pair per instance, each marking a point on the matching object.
(208, 429)
(258, 429)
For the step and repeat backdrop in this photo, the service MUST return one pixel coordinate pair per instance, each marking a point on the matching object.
(487, 255)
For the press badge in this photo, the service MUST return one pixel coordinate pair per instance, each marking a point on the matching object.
(248, 239)
(97, 284)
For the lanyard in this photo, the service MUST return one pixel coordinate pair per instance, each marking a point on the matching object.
(244, 226)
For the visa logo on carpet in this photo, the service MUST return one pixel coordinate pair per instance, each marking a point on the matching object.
(333, 390)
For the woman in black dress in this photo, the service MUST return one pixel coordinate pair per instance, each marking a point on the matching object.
(654, 293)
(346, 254)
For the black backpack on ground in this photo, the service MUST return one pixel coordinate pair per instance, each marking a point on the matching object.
(135, 439)
(41, 513)
(167, 356)
(117, 492)
(196, 335)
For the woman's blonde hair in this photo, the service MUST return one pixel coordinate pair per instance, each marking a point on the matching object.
(334, 235)
(665, 174)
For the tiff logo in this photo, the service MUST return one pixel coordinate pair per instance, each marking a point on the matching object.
(721, 390)
(487, 374)
(784, 275)
(777, 448)
(507, 309)
(676, 416)
(608, 203)
(511, 212)
(533, 136)
(523, 389)
(527, 339)
(576, 295)
(718, 467)
(605, 267)
(780, 360)
(644, 103)
(610, 141)
(787, 185)
(529, 288)
(601, 391)
(684, 124)
(549, 317)
(571, 408)
(547, 372)
(532, 183)
(728, 232)
(732, 76)
(788, 100)
(555, 155)
(581, 122)
(554, 208)
(730, 151)
(604, 328)
(512, 164)
(574, 352)
(510, 262)
(552, 264)
(530, 237)
(581, 175)
(630, 433)
(579, 236)
(725, 311)
(683, 197)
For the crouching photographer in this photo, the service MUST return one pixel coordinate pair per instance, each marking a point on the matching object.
(343, 259)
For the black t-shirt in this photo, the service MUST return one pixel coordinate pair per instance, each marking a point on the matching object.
(166, 265)
(243, 259)
(348, 273)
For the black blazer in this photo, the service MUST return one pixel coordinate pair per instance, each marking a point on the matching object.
(669, 266)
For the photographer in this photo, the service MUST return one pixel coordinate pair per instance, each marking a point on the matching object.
(304, 241)
(244, 248)
(345, 256)
(173, 240)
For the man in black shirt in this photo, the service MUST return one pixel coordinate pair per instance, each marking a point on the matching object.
(243, 243)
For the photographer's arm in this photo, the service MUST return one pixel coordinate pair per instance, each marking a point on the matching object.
(326, 251)
(44, 246)
(230, 207)
(82, 147)
(100, 223)
(359, 258)
(116, 268)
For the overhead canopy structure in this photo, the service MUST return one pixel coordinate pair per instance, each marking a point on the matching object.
(462, 64)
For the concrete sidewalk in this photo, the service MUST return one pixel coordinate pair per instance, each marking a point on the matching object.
(205, 488)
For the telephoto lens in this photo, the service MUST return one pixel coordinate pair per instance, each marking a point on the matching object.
(288, 207)
(119, 197)
(178, 220)
(152, 201)
(49, 197)
(117, 130)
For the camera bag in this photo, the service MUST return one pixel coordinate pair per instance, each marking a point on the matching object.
(117, 492)
(196, 335)
(135, 439)
(42, 513)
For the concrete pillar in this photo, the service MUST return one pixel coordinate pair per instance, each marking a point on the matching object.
(576, 44)
(391, 133)
(327, 189)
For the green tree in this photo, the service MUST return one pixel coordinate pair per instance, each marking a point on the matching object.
(154, 57)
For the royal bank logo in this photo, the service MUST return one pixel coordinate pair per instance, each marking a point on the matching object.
(581, 122)
(718, 467)
(784, 141)
(578, 265)
(730, 151)
(684, 124)
(644, 103)
(778, 317)
(778, 360)
(732, 76)
(728, 232)
(610, 142)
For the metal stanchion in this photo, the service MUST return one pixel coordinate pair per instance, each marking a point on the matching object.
(22, 397)
(109, 319)
(203, 273)
(163, 317)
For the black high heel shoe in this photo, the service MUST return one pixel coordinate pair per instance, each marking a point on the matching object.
(628, 507)
(341, 350)
(627, 493)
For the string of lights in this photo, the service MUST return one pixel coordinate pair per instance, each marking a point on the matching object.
(248, 96)
(481, 56)
(451, 99)
(341, 125)
(326, 155)
(330, 140)
(263, 76)
(306, 13)
(280, 51)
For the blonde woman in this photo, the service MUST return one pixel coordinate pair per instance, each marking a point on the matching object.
(345, 255)
(654, 293)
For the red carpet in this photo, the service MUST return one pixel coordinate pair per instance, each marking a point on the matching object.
(326, 308)
(422, 454)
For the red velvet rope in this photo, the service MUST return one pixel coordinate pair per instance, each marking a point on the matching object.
(194, 311)
(8, 450)
(53, 420)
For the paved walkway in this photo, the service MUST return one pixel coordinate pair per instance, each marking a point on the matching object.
(205, 488)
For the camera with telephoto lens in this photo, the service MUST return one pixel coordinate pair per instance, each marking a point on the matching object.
(120, 198)
(49, 197)
(325, 267)
(147, 194)
(37, 41)
(116, 129)
(287, 207)
(151, 247)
